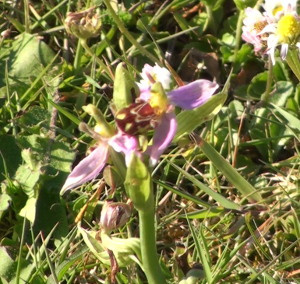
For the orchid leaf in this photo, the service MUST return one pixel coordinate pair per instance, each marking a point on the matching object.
(188, 120)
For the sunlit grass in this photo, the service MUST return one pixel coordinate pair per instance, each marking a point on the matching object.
(226, 196)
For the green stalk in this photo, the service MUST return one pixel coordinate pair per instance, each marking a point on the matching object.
(292, 60)
(269, 82)
(125, 32)
(98, 60)
(78, 56)
(238, 36)
(148, 244)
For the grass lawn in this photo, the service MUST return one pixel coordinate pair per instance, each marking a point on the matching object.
(149, 142)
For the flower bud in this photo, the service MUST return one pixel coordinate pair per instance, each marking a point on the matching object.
(103, 127)
(114, 215)
(83, 24)
(138, 184)
(125, 89)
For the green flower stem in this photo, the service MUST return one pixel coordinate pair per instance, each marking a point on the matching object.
(292, 60)
(78, 56)
(148, 245)
(238, 36)
(269, 82)
(125, 32)
(211, 21)
(98, 60)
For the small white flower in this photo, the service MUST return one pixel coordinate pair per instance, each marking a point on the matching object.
(286, 32)
(150, 75)
(254, 23)
(275, 9)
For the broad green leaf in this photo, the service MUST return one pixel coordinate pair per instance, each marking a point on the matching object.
(258, 85)
(27, 56)
(10, 157)
(282, 91)
(7, 264)
(5, 201)
(46, 167)
(34, 120)
(188, 120)
(292, 120)
(29, 210)
(246, 189)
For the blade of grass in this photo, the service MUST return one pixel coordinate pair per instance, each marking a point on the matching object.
(202, 251)
(127, 34)
(65, 112)
(243, 186)
(184, 194)
(216, 196)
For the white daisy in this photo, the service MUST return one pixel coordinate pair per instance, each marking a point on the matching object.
(286, 32)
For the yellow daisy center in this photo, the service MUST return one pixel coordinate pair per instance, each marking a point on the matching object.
(288, 29)
(259, 26)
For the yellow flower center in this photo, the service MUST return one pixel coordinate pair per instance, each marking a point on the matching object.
(277, 9)
(259, 26)
(159, 102)
(288, 29)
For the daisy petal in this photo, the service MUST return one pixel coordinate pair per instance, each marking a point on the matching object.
(87, 169)
(163, 136)
(193, 95)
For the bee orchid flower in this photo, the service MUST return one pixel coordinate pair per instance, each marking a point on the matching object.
(154, 109)
(90, 167)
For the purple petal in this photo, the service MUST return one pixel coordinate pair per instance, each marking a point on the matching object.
(87, 169)
(163, 136)
(193, 95)
(145, 93)
(125, 144)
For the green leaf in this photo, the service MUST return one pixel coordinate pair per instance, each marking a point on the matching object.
(7, 264)
(258, 85)
(5, 201)
(188, 120)
(46, 167)
(99, 250)
(29, 210)
(10, 158)
(292, 120)
(27, 56)
(34, 120)
(283, 90)
(204, 213)
(246, 189)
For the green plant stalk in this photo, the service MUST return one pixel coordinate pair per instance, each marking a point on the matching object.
(125, 32)
(98, 60)
(269, 82)
(210, 21)
(292, 60)
(78, 55)
(148, 245)
(238, 36)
